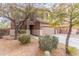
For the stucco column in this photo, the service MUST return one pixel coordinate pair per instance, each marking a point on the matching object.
(28, 32)
(12, 32)
(41, 33)
(28, 28)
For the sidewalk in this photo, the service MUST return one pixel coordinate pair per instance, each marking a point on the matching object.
(72, 35)
(73, 40)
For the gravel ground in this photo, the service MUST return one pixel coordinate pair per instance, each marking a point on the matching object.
(14, 48)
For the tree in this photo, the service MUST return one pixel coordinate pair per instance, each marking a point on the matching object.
(65, 13)
(73, 13)
(17, 13)
(57, 16)
(69, 13)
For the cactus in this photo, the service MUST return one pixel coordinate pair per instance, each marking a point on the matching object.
(47, 43)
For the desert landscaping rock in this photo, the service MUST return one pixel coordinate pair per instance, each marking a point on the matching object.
(14, 48)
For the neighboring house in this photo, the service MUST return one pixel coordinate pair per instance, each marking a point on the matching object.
(36, 27)
(41, 28)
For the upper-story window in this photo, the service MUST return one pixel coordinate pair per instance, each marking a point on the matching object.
(46, 15)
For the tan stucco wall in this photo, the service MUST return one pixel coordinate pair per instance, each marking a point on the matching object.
(46, 30)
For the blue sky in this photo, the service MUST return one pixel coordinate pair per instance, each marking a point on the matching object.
(47, 5)
(4, 20)
(39, 5)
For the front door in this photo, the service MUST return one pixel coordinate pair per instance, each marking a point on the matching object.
(31, 29)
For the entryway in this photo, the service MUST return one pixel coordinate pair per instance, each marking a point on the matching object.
(31, 29)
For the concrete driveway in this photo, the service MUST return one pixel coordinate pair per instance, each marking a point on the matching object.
(73, 41)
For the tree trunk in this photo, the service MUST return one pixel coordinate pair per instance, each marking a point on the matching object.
(16, 31)
(54, 30)
(68, 36)
(18, 25)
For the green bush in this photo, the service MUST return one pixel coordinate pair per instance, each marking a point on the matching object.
(24, 39)
(21, 31)
(2, 32)
(72, 50)
(47, 43)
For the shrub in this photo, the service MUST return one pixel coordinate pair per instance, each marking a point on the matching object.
(47, 43)
(21, 31)
(72, 50)
(24, 39)
(55, 41)
(2, 32)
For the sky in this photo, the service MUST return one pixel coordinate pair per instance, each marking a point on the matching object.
(48, 5)
(38, 5)
(4, 20)
(1, 19)
(4, 23)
